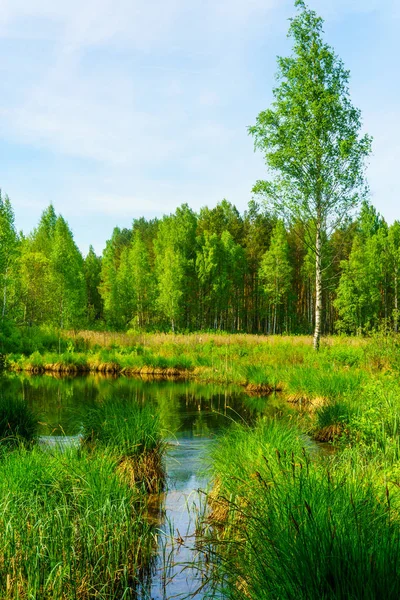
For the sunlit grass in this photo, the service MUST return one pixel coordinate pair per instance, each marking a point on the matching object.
(290, 525)
(131, 432)
(71, 527)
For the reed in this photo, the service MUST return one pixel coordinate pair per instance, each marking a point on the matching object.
(132, 432)
(342, 374)
(18, 422)
(70, 527)
(298, 527)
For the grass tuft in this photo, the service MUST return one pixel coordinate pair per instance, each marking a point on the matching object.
(18, 422)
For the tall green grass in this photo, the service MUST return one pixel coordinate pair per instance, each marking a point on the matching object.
(74, 524)
(18, 422)
(129, 428)
(131, 431)
(294, 528)
(71, 528)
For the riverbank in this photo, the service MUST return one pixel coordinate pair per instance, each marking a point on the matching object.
(259, 362)
(340, 384)
(303, 525)
(287, 523)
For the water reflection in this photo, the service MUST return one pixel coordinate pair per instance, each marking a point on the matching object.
(192, 416)
(184, 407)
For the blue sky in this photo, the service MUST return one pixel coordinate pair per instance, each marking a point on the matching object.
(116, 109)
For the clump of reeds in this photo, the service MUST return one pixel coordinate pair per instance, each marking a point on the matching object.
(302, 528)
(332, 419)
(131, 431)
(18, 421)
(70, 527)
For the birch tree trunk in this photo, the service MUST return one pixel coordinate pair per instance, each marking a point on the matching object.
(318, 288)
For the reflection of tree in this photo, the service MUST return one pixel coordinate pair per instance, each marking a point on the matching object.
(200, 425)
(184, 407)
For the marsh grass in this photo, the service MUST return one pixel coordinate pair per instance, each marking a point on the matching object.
(300, 528)
(18, 422)
(262, 364)
(130, 431)
(340, 374)
(71, 527)
(331, 421)
(74, 522)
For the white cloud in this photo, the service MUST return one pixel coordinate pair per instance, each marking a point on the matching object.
(99, 110)
(382, 172)
(145, 103)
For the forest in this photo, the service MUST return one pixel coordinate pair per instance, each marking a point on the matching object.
(167, 428)
(215, 269)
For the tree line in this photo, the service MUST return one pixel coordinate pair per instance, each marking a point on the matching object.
(296, 263)
(212, 270)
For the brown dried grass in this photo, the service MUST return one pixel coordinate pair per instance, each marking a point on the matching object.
(330, 433)
(146, 469)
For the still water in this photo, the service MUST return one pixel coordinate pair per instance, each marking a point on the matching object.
(192, 417)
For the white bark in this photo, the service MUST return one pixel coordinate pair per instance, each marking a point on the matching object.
(318, 288)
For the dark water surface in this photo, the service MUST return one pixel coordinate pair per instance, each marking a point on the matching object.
(192, 417)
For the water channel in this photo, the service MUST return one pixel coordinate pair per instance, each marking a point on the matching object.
(192, 416)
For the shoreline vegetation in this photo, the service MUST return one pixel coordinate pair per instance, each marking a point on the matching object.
(75, 519)
(336, 387)
(286, 523)
(304, 523)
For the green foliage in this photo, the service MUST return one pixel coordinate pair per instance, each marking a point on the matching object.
(301, 528)
(18, 422)
(310, 136)
(9, 247)
(275, 273)
(52, 282)
(72, 528)
(359, 295)
(311, 142)
(215, 270)
(129, 429)
(92, 271)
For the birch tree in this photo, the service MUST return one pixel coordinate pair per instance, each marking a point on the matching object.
(312, 143)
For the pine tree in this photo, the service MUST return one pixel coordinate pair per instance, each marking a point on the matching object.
(8, 250)
(37, 282)
(360, 295)
(143, 287)
(175, 252)
(394, 265)
(170, 283)
(108, 288)
(92, 270)
(68, 277)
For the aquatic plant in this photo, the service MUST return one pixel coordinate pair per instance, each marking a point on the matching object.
(132, 432)
(18, 421)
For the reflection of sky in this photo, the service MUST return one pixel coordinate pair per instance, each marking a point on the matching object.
(184, 467)
(113, 109)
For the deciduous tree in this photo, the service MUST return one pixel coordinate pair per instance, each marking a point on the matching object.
(311, 141)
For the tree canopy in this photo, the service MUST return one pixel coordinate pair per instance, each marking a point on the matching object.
(312, 142)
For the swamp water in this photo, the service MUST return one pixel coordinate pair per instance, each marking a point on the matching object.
(192, 416)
